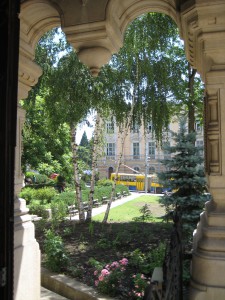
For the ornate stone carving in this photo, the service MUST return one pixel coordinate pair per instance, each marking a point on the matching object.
(213, 143)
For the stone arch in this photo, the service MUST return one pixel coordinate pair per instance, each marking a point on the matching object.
(130, 10)
(36, 18)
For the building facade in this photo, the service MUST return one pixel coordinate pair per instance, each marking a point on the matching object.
(141, 152)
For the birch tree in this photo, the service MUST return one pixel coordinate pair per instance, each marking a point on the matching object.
(95, 151)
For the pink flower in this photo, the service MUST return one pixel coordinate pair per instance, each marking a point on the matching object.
(115, 264)
(96, 272)
(96, 282)
(101, 278)
(105, 272)
(124, 261)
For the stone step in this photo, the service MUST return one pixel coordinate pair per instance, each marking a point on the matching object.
(49, 295)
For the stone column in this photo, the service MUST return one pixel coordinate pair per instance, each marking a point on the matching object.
(26, 248)
(204, 34)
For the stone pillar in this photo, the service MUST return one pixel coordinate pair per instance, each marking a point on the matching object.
(204, 33)
(19, 180)
(26, 248)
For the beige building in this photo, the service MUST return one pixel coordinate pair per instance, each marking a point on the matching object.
(95, 28)
(141, 153)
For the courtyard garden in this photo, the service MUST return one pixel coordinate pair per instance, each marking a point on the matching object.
(116, 258)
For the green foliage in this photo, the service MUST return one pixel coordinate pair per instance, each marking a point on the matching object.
(185, 176)
(104, 182)
(146, 214)
(27, 193)
(45, 195)
(145, 263)
(38, 209)
(140, 283)
(104, 243)
(56, 256)
(37, 178)
(96, 264)
(59, 209)
(67, 197)
(84, 140)
(110, 277)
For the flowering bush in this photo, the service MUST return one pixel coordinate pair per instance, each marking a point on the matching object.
(112, 280)
(109, 279)
(140, 283)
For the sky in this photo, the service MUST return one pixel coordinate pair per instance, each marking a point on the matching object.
(80, 132)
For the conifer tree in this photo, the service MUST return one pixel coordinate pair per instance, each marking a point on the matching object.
(185, 176)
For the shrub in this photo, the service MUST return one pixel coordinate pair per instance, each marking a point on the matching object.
(27, 193)
(104, 182)
(39, 178)
(146, 263)
(109, 278)
(139, 285)
(56, 257)
(45, 195)
(68, 198)
(38, 209)
(59, 211)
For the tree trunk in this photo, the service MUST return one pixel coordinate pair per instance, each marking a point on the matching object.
(73, 132)
(191, 102)
(123, 134)
(94, 165)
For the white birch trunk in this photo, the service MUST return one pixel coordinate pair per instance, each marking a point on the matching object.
(73, 131)
(97, 132)
(123, 135)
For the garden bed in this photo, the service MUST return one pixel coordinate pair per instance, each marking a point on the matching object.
(90, 247)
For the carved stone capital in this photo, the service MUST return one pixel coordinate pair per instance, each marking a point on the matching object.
(29, 72)
(203, 30)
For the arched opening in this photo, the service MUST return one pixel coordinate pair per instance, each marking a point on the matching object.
(110, 171)
(193, 20)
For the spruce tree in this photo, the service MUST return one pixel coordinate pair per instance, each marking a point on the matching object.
(84, 140)
(184, 174)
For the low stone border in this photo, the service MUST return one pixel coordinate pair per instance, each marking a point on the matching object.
(69, 287)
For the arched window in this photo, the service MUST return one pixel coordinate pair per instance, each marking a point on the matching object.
(151, 170)
(136, 169)
(110, 171)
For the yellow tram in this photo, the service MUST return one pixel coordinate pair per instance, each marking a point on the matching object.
(136, 182)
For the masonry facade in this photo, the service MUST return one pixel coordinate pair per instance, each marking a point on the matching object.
(95, 28)
(141, 152)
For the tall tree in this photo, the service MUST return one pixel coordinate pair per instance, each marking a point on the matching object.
(84, 140)
(184, 174)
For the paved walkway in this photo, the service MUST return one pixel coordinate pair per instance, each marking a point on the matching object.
(102, 208)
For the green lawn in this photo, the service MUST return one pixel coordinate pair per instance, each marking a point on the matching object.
(131, 209)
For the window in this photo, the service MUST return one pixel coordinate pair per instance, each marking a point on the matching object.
(136, 152)
(151, 170)
(109, 127)
(166, 152)
(149, 127)
(200, 144)
(136, 169)
(198, 127)
(136, 128)
(110, 151)
(151, 150)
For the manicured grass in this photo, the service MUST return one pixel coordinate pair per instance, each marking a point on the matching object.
(131, 209)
